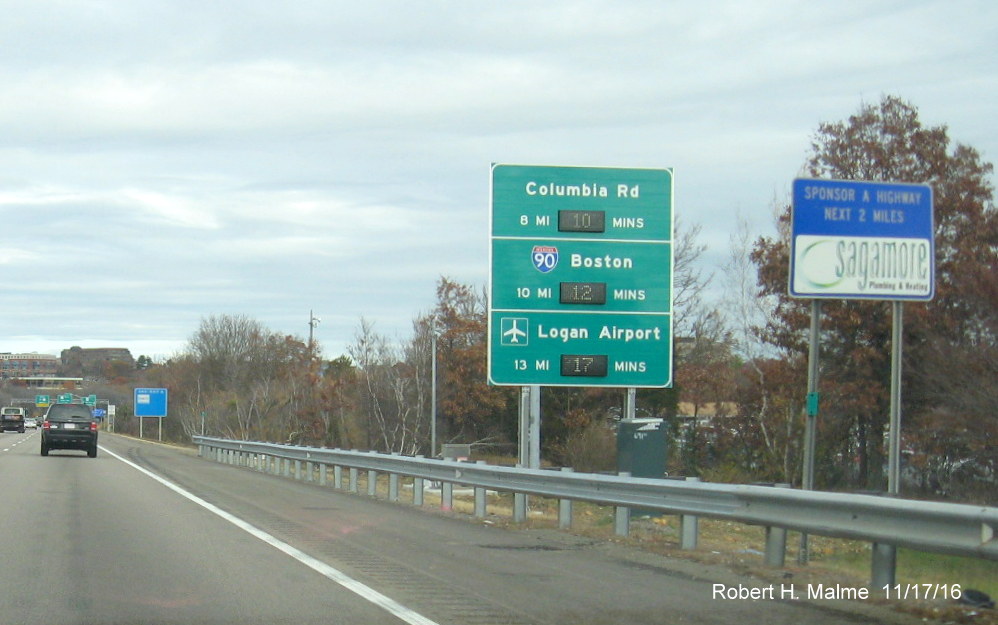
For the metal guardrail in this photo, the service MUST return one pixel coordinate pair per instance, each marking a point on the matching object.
(957, 529)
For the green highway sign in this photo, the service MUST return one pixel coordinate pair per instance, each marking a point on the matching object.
(635, 281)
(581, 276)
(42, 401)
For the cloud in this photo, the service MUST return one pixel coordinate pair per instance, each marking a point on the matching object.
(170, 210)
(162, 161)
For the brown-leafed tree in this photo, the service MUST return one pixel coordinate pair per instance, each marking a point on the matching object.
(949, 343)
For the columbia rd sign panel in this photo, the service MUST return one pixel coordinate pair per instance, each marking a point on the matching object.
(581, 277)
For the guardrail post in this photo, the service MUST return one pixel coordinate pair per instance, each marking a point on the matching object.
(622, 515)
(689, 526)
(417, 491)
(519, 508)
(480, 505)
(372, 483)
(298, 470)
(393, 485)
(776, 542)
(417, 487)
(519, 505)
(337, 477)
(447, 496)
(565, 508)
(309, 471)
(883, 565)
(322, 474)
(353, 479)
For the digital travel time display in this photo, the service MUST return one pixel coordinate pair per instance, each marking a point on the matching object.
(582, 293)
(581, 221)
(587, 366)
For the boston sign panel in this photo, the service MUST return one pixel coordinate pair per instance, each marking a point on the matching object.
(862, 240)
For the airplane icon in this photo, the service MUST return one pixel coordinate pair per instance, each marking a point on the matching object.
(511, 332)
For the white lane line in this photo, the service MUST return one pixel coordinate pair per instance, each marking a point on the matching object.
(363, 590)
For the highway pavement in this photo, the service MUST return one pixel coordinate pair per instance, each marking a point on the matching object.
(151, 534)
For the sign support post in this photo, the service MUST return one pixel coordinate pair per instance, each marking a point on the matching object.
(894, 436)
(811, 411)
(534, 434)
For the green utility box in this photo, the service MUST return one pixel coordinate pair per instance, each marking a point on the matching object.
(641, 447)
(641, 451)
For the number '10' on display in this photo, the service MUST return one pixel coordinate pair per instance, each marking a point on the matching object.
(581, 221)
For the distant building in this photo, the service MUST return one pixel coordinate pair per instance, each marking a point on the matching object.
(28, 365)
(91, 362)
(703, 414)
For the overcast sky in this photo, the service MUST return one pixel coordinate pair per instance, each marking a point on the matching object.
(164, 161)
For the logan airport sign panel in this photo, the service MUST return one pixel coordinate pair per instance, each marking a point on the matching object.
(862, 240)
(581, 276)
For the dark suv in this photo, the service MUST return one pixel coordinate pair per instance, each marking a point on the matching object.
(11, 418)
(69, 426)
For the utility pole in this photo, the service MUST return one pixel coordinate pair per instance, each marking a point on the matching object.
(312, 322)
(433, 388)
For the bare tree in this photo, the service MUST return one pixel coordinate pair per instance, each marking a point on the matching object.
(393, 421)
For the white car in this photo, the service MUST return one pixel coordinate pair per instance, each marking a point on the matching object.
(31, 422)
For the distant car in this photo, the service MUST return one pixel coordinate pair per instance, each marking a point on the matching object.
(69, 426)
(12, 418)
(31, 422)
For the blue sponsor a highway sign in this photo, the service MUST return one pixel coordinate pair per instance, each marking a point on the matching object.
(862, 240)
(151, 402)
